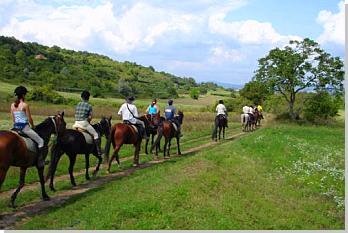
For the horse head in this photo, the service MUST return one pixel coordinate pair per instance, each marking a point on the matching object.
(60, 123)
(180, 117)
(105, 126)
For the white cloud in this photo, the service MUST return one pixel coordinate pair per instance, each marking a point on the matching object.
(222, 54)
(333, 25)
(248, 31)
(137, 26)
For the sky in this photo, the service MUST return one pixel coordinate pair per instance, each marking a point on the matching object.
(209, 40)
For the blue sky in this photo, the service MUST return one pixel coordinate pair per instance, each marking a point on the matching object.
(209, 40)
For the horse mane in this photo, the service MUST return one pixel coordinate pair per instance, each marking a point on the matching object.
(43, 125)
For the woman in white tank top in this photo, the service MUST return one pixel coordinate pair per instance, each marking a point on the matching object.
(21, 117)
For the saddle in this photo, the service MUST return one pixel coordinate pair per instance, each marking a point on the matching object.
(30, 143)
(88, 136)
(137, 128)
(174, 125)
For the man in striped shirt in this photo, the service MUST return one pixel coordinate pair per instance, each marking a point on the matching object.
(83, 117)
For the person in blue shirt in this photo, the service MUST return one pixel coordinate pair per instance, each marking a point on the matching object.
(153, 108)
(169, 113)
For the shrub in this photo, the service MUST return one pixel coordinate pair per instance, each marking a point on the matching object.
(46, 94)
(194, 93)
(320, 106)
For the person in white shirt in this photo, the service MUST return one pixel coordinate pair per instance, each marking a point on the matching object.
(246, 109)
(221, 110)
(129, 113)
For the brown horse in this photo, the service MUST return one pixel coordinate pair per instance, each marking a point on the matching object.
(167, 130)
(14, 152)
(122, 133)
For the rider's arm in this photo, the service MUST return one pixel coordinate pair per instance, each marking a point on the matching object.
(12, 113)
(147, 110)
(120, 110)
(27, 112)
(135, 111)
(90, 114)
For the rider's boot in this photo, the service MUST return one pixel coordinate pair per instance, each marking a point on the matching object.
(97, 143)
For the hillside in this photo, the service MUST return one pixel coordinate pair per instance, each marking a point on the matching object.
(68, 70)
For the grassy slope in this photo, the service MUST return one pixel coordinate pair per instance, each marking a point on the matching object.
(255, 182)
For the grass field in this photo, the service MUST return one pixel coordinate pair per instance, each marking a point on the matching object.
(281, 177)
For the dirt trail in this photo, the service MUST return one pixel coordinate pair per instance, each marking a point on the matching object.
(9, 220)
(36, 185)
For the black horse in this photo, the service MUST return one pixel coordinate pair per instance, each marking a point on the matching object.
(72, 143)
(221, 123)
(154, 122)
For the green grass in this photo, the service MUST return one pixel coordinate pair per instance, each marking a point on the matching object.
(251, 183)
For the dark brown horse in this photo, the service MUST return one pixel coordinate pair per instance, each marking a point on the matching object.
(14, 152)
(72, 142)
(221, 123)
(122, 133)
(154, 122)
(167, 130)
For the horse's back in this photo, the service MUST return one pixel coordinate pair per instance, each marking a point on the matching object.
(124, 134)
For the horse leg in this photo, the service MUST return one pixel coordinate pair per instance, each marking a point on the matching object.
(223, 132)
(87, 166)
(136, 155)
(178, 144)
(113, 156)
(56, 155)
(72, 159)
(40, 171)
(20, 186)
(3, 172)
(169, 144)
(146, 143)
(100, 160)
(165, 147)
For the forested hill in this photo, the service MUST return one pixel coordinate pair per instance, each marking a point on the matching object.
(68, 70)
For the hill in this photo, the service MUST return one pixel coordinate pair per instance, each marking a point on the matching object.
(71, 71)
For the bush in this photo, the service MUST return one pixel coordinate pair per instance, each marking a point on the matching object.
(46, 94)
(320, 106)
(194, 93)
(233, 104)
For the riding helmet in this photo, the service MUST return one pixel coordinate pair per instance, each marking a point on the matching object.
(130, 98)
(20, 91)
(170, 102)
(85, 95)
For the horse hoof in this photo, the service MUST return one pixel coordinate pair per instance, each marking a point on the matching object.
(135, 165)
(12, 205)
(53, 189)
(88, 178)
(73, 184)
(46, 198)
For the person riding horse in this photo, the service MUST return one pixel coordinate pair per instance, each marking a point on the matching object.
(129, 113)
(153, 113)
(83, 117)
(221, 111)
(169, 113)
(21, 117)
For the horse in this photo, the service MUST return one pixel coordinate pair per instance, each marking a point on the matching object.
(73, 142)
(221, 123)
(154, 122)
(246, 122)
(167, 130)
(14, 152)
(257, 117)
(122, 133)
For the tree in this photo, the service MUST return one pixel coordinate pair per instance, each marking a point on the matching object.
(255, 91)
(321, 106)
(297, 66)
(194, 93)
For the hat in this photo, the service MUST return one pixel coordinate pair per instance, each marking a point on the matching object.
(130, 98)
(20, 91)
(170, 102)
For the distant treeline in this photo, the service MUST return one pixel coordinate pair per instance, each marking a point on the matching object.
(68, 70)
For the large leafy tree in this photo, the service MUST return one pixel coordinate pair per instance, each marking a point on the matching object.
(297, 66)
(255, 91)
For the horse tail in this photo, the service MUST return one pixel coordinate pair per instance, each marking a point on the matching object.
(112, 135)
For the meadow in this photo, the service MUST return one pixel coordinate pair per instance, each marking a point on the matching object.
(282, 176)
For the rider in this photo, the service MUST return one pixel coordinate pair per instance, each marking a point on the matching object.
(169, 113)
(129, 113)
(83, 117)
(221, 110)
(21, 117)
(153, 108)
(259, 107)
